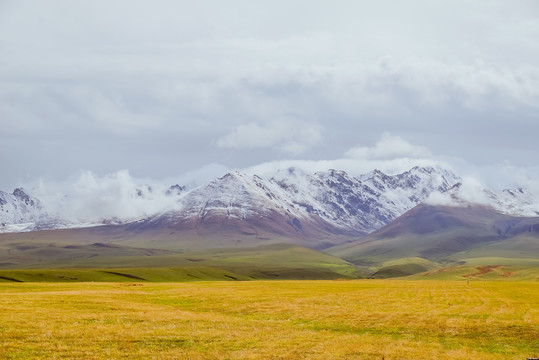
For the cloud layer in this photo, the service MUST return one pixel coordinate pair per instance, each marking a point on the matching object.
(290, 137)
(89, 197)
(389, 147)
(164, 88)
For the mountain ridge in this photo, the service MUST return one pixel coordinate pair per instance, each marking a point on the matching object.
(338, 202)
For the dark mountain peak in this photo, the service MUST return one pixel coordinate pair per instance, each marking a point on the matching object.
(227, 176)
(233, 176)
(141, 192)
(175, 190)
(456, 186)
(333, 172)
(376, 174)
(291, 170)
(424, 169)
(23, 196)
(514, 192)
(19, 192)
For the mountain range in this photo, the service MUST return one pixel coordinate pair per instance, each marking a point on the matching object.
(380, 224)
(331, 202)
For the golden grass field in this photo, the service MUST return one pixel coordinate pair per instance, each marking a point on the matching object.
(359, 319)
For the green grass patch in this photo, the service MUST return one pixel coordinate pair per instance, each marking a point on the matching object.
(278, 261)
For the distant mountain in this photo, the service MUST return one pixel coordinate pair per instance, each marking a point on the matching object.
(317, 210)
(290, 204)
(23, 212)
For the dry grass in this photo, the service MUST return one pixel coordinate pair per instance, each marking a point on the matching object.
(364, 319)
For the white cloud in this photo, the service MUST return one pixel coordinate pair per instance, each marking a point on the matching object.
(389, 147)
(91, 197)
(290, 137)
(470, 191)
(442, 199)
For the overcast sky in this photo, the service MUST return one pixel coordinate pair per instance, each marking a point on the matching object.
(180, 89)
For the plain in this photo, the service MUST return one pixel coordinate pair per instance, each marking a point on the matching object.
(353, 319)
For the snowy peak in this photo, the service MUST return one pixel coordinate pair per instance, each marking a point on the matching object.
(375, 199)
(175, 190)
(18, 210)
(24, 197)
(332, 200)
(519, 202)
(429, 177)
(291, 201)
(234, 195)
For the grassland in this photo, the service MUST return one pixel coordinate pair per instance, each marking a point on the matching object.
(359, 319)
(44, 261)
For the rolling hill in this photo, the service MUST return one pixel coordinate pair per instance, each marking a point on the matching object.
(429, 237)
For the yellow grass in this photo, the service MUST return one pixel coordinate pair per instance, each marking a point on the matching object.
(363, 319)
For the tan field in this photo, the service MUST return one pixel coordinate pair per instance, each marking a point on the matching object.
(359, 319)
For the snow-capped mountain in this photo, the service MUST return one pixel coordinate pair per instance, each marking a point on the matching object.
(293, 203)
(519, 202)
(360, 204)
(18, 211)
(290, 203)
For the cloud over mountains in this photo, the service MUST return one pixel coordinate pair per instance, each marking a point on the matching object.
(165, 88)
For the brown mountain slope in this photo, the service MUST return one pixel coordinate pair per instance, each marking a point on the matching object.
(159, 236)
(439, 233)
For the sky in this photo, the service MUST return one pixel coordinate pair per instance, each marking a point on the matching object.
(187, 90)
